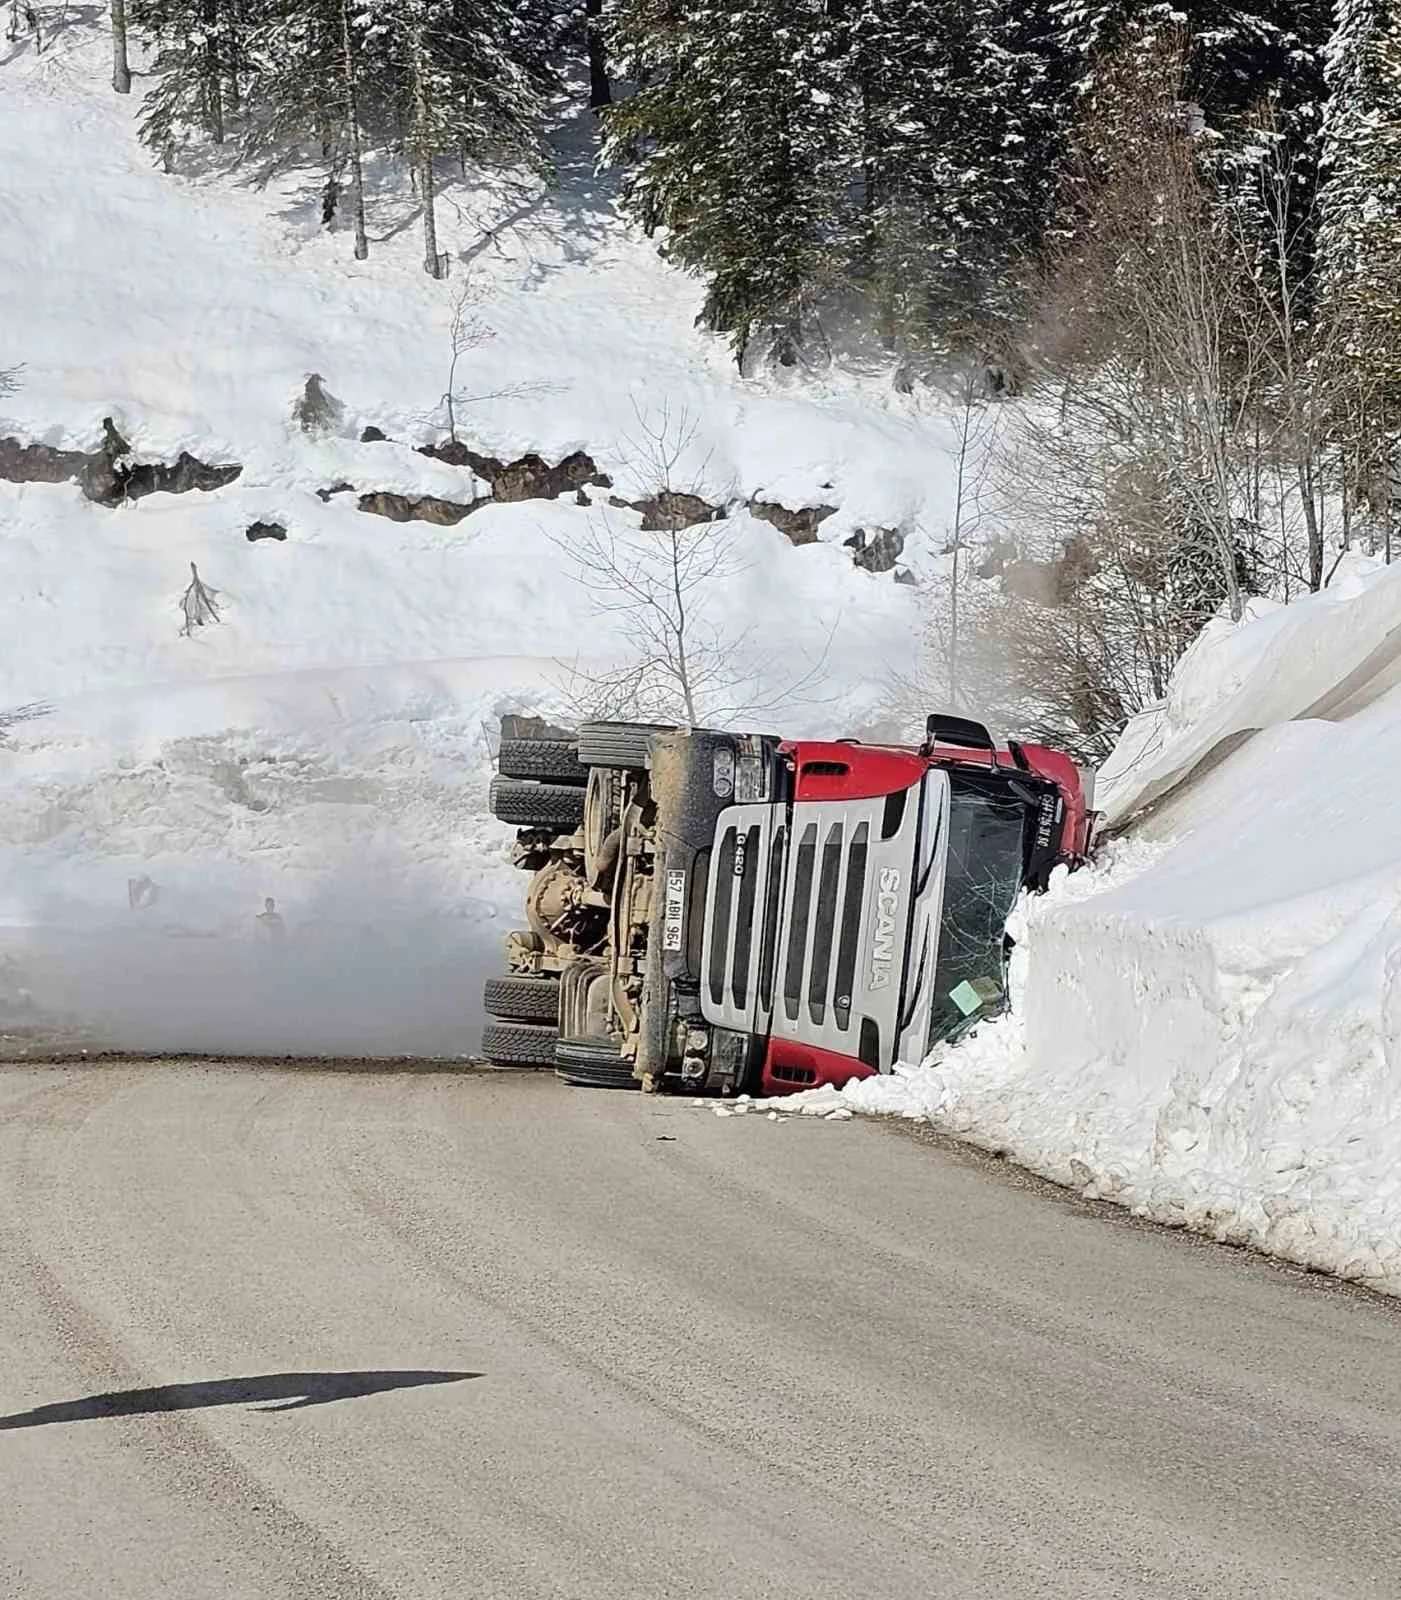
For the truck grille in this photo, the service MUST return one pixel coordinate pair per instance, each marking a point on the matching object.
(824, 933)
(742, 910)
(809, 915)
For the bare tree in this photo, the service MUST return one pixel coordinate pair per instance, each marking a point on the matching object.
(666, 584)
(1148, 343)
(466, 331)
(422, 146)
(121, 67)
(975, 422)
(351, 102)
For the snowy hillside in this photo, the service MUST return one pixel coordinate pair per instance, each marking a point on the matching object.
(1211, 1024)
(335, 756)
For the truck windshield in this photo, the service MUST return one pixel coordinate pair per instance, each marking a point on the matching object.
(983, 877)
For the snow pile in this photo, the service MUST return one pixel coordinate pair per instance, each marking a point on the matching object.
(1327, 658)
(1211, 1025)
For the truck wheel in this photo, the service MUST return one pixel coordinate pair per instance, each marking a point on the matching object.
(523, 999)
(592, 1064)
(519, 1044)
(556, 806)
(618, 744)
(553, 760)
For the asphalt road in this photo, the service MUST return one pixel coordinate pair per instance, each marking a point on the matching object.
(279, 1334)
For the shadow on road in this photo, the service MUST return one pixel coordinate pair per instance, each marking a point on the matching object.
(294, 1390)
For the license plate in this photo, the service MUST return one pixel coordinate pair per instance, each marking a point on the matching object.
(673, 911)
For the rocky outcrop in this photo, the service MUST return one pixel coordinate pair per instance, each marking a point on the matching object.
(530, 477)
(798, 527)
(877, 551)
(39, 463)
(108, 476)
(670, 510)
(419, 508)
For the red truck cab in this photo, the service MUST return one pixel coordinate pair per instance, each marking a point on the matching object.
(776, 914)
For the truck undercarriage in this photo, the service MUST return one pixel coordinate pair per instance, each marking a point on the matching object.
(712, 912)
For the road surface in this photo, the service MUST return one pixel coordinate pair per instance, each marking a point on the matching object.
(284, 1334)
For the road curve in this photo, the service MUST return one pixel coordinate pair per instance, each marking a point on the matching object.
(285, 1334)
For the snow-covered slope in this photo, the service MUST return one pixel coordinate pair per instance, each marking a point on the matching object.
(1210, 1029)
(335, 756)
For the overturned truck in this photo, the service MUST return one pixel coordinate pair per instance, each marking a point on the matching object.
(714, 912)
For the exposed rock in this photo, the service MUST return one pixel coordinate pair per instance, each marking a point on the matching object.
(423, 508)
(185, 473)
(529, 478)
(38, 463)
(264, 530)
(454, 452)
(670, 510)
(335, 489)
(799, 527)
(878, 551)
(581, 499)
(108, 475)
(905, 576)
(532, 478)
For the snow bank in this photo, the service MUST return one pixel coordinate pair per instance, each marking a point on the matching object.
(1210, 1028)
(1327, 657)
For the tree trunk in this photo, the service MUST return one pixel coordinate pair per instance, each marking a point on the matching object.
(423, 161)
(213, 70)
(352, 129)
(432, 261)
(121, 67)
(600, 89)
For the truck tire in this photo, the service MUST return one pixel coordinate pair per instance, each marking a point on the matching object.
(592, 1064)
(552, 760)
(518, 998)
(556, 806)
(618, 744)
(520, 1044)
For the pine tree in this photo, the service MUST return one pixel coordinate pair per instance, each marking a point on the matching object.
(310, 93)
(596, 48)
(1360, 247)
(466, 78)
(738, 140)
(959, 147)
(201, 52)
